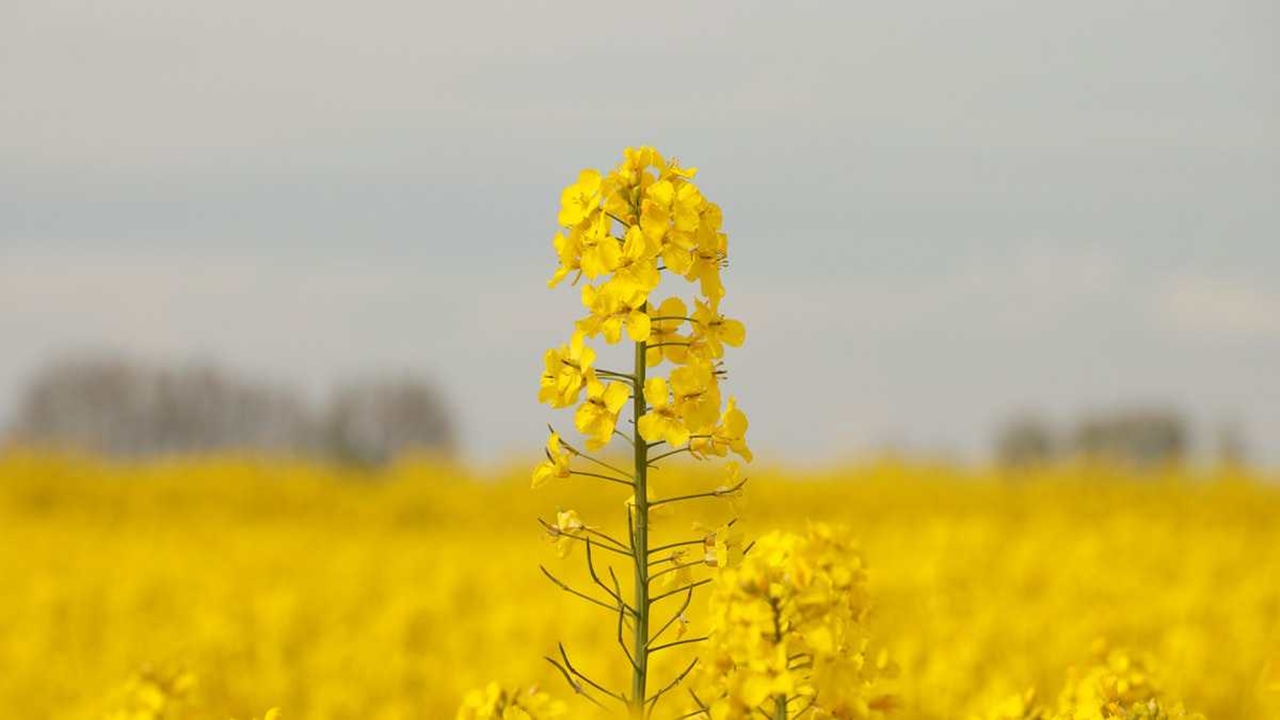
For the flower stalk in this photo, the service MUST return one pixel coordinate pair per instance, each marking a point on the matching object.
(640, 543)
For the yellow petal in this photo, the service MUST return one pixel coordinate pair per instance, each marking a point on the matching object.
(677, 434)
(733, 332)
(656, 392)
(638, 326)
(662, 192)
(650, 427)
(615, 396)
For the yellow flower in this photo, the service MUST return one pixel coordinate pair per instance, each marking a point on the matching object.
(564, 531)
(566, 370)
(697, 394)
(673, 170)
(636, 163)
(635, 274)
(609, 314)
(730, 434)
(569, 251)
(714, 330)
(665, 322)
(671, 205)
(786, 621)
(661, 422)
(555, 466)
(679, 574)
(580, 198)
(708, 257)
(497, 703)
(669, 218)
(599, 251)
(598, 415)
(722, 547)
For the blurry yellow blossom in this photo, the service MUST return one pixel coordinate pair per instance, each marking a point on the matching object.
(565, 531)
(981, 580)
(1118, 684)
(153, 694)
(788, 631)
(555, 466)
(495, 702)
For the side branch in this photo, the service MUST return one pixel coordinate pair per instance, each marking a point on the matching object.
(602, 476)
(588, 458)
(574, 684)
(679, 590)
(591, 567)
(668, 454)
(674, 643)
(565, 656)
(684, 606)
(718, 492)
(671, 685)
(558, 533)
(672, 546)
(676, 566)
(595, 601)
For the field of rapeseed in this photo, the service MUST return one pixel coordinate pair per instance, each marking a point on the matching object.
(236, 585)
(222, 586)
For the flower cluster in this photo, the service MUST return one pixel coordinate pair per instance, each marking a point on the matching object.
(1116, 684)
(153, 694)
(495, 702)
(788, 634)
(620, 232)
(160, 694)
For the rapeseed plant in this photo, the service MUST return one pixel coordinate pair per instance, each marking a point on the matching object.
(788, 637)
(621, 232)
(1116, 684)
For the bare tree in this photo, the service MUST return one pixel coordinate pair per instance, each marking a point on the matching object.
(120, 408)
(1232, 448)
(371, 422)
(1141, 437)
(1025, 440)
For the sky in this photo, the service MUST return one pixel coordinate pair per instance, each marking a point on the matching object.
(941, 214)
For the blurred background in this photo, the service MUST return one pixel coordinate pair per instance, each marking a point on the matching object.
(960, 230)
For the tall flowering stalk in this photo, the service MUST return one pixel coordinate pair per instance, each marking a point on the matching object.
(622, 232)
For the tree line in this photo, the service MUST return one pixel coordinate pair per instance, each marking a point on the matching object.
(119, 407)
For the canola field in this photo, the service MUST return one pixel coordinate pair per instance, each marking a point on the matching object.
(221, 587)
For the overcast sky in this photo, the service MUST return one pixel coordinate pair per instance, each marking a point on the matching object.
(940, 213)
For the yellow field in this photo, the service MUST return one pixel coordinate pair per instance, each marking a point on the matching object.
(339, 595)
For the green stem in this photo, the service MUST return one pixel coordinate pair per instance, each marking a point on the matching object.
(780, 707)
(640, 543)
